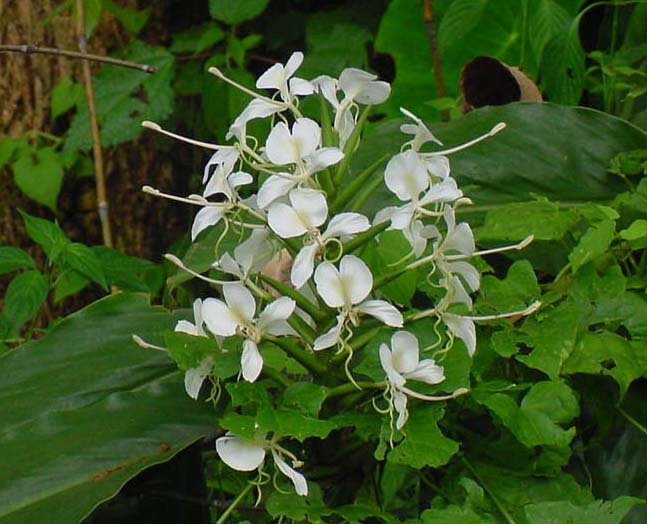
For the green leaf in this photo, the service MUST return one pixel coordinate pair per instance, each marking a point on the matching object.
(600, 512)
(25, 295)
(548, 351)
(123, 271)
(545, 21)
(234, 12)
(292, 423)
(593, 243)
(628, 309)
(197, 39)
(517, 290)
(105, 408)
(297, 508)
(40, 180)
(305, 396)
(82, 259)
(562, 67)
(12, 258)
(188, 351)
(636, 231)
(46, 234)
(65, 95)
(424, 444)
(606, 353)
(92, 15)
(69, 283)
(7, 147)
(133, 20)
(454, 514)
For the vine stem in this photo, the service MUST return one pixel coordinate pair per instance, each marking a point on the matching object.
(99, 174)
(33, 49)
(234, 504)
(497, 502)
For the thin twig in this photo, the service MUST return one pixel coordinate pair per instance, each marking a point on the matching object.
(430, 24)
(32, 49)
(99, 175)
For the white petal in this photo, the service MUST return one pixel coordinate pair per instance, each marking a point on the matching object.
(463, 328)
(279, 147)
(461, 240)
(306, 133)
(383, 311)
(207, 216)
(240, 453)
(197, 315)
(303, 265)
(229, 265)
(373, 93)
(345, 224)
(220, 320)
(251, 361)
(467, 271)
(194, 377)
(330, 337)
(299, 481)
(240, 301)
(352, 80)
(386, 359)
(275, 311)
(301, 87)
(293, 63)
(456, 291)
(272, 78)
(427, 372)
(222, 157)
(402, 216)
(406, 176)
(356, 277)
(257, 108)
(254, 252)
(405, 351)
(310, 205)
(445, 191)
(327, 86)
(438, 166)
(285, 221)
(400, 405)
(322, 158)
(329, 285)
(218, 184)
(184, 326)
(239, 178)
(274, 187)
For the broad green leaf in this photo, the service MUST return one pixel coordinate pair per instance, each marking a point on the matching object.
(123, 271)
(7, 147)
(590, 286)
(46, 234)
(606, 353)
(454, 514)
(547, 18)
(549, 352)
(628, 309)
(234, 12)
(636, 231)
(82, 259)
(246, 393)
(25, 295)
(84, 409)
(600, 512)
(297, 508)
(593, 243)
(40, 179)
(12, 258)
(133, 20)
(305, 396)
(188, 351)
(517, 290)
(197, 39)
(531, 156)
(562, 67)
(65, 95)
(292, 423)
(69, 283)
(424, 444)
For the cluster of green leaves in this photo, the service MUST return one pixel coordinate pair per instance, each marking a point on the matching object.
(68, 268)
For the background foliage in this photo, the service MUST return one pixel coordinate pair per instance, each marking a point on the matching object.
(555, 425)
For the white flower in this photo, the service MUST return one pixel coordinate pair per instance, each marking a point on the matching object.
(236, 316)
(225, 158)
(257, 108)
(420, 132)
(401, 362)
(308, 210)
(363, 87)
(347, 289)
(226, 184)
(244, 454)
(207, 216)
(280, 77)
(184, 326)
(406, 176)
(463, 328)
(250, 256)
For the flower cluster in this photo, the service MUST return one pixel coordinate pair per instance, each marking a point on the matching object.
(298, 274)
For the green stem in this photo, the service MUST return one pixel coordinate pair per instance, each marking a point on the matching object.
(235, 503)
(301, 355)
(317, 314)
(497, 502)
(352, 189)
(276, 376)
(632, 421)
(364, 237)
(346, 389)
(364, 194)
(328, 140)
(350, 147)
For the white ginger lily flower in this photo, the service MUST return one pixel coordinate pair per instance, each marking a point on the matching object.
(244, 454)
(420, 132)
(463, 328)
(236, 316)
(224, 158)
(194, 377)
(347, 289)
(257, 108)
(281, 77)
(226, 184)
(401, 362)
(250, 256)
(208, 216)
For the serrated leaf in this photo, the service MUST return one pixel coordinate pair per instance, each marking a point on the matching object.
(46, 234)
(517, 290)
(305, 396)
(599, 511)
(292, 423)
(628, 309)
(82, 259)
(593, 243)
(234, 12)
(606, 353)
(25, 295)
(12, 258)
(424, 444)
(41, 179)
